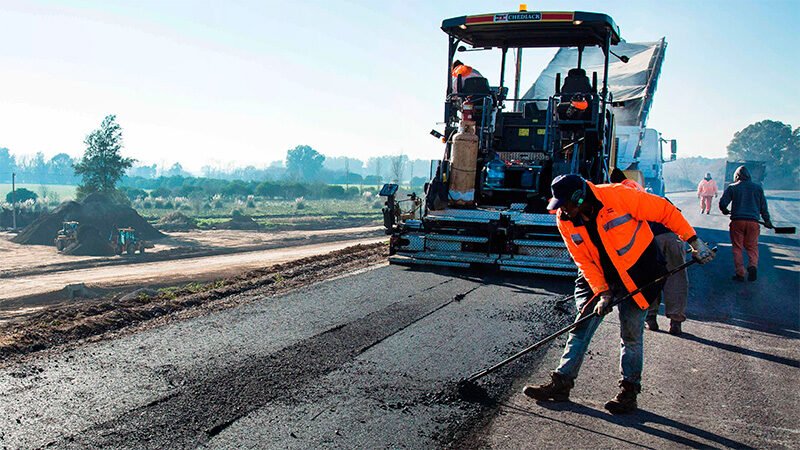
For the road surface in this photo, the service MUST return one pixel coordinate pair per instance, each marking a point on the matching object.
(371, 360)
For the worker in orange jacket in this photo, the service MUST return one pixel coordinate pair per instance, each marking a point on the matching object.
(459, 68)
(605, 230)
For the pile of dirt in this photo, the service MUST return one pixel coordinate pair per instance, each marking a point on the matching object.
(176, 221)
(239, 221)
(90, 243)
(69, 322)
(96, 212)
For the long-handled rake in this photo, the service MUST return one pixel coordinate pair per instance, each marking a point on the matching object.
(468, 389)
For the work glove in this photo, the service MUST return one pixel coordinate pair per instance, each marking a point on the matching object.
(603, 305)
(701, 252)
(768, 223)
(725, 211)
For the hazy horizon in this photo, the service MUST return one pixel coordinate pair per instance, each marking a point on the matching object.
(240, 83)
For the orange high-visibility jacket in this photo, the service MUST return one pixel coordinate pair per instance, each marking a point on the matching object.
(466, 72)
(622, 226)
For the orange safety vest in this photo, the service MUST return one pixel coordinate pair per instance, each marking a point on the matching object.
(622, 226)
(465, 71)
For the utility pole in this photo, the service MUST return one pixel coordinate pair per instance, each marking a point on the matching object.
(14, 201)
(517, 73)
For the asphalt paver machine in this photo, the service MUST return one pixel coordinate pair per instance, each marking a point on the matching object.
(486, 203)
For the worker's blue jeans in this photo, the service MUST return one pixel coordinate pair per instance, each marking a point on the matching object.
(631, 320)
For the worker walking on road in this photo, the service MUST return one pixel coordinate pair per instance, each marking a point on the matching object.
(706, 191)
(605, 230)
(747, 204)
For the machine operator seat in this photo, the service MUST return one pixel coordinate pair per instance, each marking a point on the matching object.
(576, 85)
(576, 82)
(475, 86)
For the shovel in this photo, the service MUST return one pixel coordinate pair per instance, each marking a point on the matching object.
(469, 390)
(781, 230)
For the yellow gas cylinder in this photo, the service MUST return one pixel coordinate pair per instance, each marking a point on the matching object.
(463, 162)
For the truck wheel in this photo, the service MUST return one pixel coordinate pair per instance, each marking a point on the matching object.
(59, 245)
(130, 250)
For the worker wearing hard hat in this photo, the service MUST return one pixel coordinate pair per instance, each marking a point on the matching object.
(464, 71)
(605, 230)
(706, 191)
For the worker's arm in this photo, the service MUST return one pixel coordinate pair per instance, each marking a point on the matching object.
(652, 208)
(579, 252)
(763, 209)
(725, 201)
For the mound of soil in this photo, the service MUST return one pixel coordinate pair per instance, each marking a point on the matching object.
(90, 243)
(176, 221)
(97, 211)
(239, 222)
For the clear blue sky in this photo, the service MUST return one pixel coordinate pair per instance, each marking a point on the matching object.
(242, 81)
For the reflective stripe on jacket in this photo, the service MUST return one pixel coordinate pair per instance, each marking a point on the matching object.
(622, 226)
(707, 188)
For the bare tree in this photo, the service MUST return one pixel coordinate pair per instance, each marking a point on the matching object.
(398, 167)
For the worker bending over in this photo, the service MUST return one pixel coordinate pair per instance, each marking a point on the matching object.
(605, 229)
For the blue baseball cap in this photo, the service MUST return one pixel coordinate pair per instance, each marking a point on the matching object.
(563, 187)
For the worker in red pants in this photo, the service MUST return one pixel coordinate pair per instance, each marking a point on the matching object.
(747, 202)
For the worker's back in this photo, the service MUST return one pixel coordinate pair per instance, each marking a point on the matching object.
(746, 197)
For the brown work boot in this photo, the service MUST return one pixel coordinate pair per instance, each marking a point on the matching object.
(675, 328)
(651, 324)
(625, 401)
(556, 390)
(752, 274)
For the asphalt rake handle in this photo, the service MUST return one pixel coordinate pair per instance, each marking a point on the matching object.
(468, 387)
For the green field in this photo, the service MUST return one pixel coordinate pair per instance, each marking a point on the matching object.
(63, 191)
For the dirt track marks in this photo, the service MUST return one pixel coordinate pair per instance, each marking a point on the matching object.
(69, 323)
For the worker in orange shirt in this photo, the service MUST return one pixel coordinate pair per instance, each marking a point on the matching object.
(465, 71)
(605, 230)
(706, 191)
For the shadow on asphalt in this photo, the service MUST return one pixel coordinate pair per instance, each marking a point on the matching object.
(768, 305)
(520, 283)
(641, 420)
(743, 351)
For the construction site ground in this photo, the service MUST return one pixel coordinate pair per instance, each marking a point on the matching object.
(34, 276)
(344, 351)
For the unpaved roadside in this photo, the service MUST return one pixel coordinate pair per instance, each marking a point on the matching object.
(166, 272)
(25, 260)
(69, 322)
